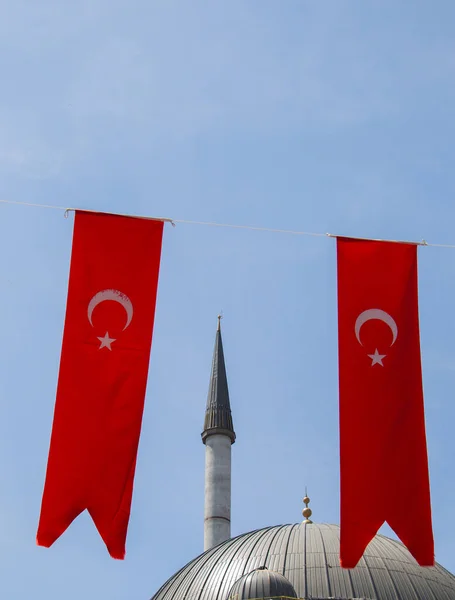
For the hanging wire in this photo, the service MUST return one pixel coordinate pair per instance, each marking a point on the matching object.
(66, 210)
(288, 231)
(33, 204)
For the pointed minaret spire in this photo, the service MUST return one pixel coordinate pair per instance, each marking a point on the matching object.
(218, 436)
(218, 418)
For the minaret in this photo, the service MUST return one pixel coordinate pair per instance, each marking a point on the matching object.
(218, 436)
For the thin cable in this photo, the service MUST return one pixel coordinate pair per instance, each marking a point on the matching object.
(228, 225)
(172, 221)
(67, 210)
(36, 205)
(439, 245)
(289, 231)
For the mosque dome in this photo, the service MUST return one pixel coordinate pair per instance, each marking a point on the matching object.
(262, 583)
(307, 556)
(285, 561)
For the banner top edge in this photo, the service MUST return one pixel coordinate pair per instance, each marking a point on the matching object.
(101, 212)
(364, 239)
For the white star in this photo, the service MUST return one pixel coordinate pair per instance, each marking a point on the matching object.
(106, 341)
(376, 358)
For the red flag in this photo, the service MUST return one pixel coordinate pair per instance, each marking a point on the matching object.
(383, 454)
(103, 372)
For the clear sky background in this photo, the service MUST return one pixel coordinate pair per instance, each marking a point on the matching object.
(322, 116)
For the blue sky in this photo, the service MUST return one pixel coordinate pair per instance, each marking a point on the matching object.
(322, 116)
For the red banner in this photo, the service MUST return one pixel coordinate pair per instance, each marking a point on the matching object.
(383, 454)
(103, 373)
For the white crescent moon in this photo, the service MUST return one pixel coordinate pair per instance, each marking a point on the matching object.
(115, 296)
(380, 315)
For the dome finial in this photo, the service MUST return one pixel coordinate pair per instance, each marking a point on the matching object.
(307, 512)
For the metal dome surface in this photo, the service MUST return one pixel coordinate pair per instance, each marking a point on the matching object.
(261, 583)
(307, 555)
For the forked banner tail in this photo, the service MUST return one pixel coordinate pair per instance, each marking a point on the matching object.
(103, 373)
(383, 453)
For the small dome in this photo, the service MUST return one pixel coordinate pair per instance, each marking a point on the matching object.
(261, 583)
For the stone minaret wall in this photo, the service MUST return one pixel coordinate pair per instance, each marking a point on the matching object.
(217, 510)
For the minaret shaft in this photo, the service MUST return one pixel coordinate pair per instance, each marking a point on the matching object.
(217, 510)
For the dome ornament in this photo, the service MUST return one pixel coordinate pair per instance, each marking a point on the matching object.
(307, 512)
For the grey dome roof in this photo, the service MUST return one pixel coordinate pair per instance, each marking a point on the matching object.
(307, 555)
(261, 583)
